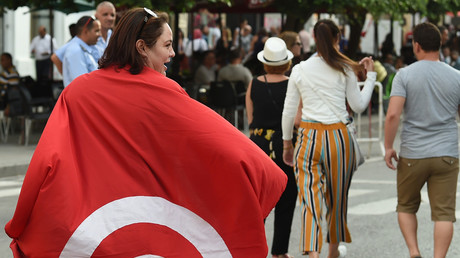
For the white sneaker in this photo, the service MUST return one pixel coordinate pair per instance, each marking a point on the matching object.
(342, 251)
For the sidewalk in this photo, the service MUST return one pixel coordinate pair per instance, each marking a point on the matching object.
(15, 158)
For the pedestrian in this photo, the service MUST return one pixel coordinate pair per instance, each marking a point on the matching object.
(105, 13)
(294, 44)
(429, 141)
(305, 39)
(324, 159)
(129, 165)
(42, 46)
(264, 105)
(78, 59)
(444, 41)
(59, 54)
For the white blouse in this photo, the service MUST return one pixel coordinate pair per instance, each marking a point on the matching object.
(332, 84)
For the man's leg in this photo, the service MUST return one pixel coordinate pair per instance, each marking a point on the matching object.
(412, 175)
(408, 226)
(442, 189)
(443, 232)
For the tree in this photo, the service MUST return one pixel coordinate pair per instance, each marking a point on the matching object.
(354, 11)
(297, 11)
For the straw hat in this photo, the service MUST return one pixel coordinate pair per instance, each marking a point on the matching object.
(275, 52)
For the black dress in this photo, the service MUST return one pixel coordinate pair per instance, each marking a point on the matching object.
(265, 130)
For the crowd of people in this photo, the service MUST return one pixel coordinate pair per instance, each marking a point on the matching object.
(121, 117)
(225, 44)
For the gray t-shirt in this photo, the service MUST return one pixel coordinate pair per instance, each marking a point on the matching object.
(432, 92)
(235, 73)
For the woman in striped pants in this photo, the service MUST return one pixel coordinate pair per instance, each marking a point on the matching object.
(323, 157)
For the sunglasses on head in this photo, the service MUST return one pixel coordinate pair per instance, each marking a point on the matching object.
(148, 13)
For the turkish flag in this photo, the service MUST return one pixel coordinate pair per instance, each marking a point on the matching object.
(130, 165)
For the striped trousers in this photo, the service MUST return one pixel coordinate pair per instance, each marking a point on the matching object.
(324, 165)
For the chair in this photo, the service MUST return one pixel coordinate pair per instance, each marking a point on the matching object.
(240, 89)
(3, 100)
(23, 106)
(223, 97)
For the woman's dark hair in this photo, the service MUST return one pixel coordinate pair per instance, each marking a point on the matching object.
(84, 22)
(428, 36)
(327, 35)
(73, 29)
(121, 51)
(8, 55)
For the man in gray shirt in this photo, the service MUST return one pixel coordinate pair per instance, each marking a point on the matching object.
(235, 71)
(428, 91)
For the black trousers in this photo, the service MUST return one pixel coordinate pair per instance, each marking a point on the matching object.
(43, 69)
(284, 209)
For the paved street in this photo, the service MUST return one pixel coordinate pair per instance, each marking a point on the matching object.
(372, 220)
(9, 192)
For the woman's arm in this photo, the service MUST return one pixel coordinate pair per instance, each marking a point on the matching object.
(290, 113)
(359, 100)
(249, 104)
(291, 105)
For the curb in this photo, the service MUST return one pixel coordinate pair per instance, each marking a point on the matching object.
(16, 170)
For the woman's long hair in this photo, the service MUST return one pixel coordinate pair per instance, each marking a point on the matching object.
(327, 35)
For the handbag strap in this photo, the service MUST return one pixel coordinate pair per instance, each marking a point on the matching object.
(321, 96)
(270, 93)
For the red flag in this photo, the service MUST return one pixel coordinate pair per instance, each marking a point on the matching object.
(130, 165)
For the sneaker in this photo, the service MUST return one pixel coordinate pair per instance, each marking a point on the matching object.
(342, 251)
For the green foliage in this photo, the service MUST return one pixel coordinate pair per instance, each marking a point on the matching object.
(301, 9)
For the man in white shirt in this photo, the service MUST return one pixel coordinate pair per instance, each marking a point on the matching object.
(42, 47)
(105, 13)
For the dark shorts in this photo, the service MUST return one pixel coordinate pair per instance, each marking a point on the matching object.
(440, 174)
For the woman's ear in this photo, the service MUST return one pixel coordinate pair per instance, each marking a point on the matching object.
(140, 47)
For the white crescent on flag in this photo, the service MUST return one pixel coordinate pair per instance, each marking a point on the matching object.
(144, 209)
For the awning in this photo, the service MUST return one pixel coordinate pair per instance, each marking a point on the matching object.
(57, 5)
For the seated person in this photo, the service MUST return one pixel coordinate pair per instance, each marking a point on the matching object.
(206, 72)
(9, 74)
(235, 71)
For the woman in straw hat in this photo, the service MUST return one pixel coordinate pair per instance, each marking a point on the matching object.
(324, 156)
(264, 103)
